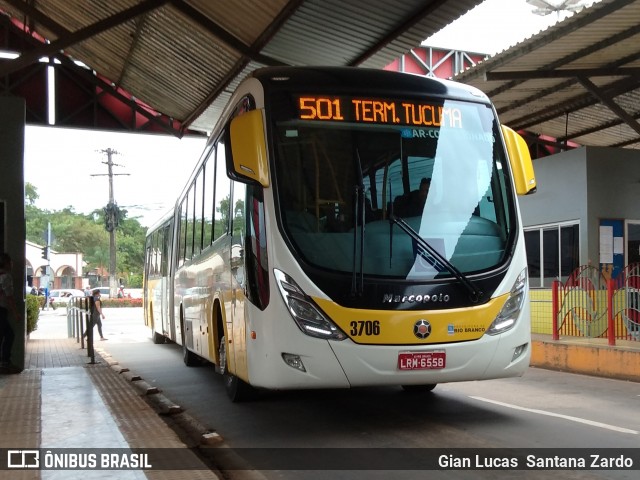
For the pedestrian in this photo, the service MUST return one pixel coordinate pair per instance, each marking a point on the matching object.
(7, 306)
(87, 291)
(45, 294)
(96, 312)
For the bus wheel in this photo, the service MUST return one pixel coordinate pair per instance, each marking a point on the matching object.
(158, 338)
(189, 358)
(419, 388)
(237, 390)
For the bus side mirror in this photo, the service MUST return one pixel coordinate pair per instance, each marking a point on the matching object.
(520, 161)
(247, 161)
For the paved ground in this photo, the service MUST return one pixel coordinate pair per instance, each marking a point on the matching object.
(62, 401)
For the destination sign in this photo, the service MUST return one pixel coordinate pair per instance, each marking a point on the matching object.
(369, 110)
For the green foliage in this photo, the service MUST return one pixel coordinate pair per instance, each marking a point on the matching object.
(30, 193)
(33, 312)
(74, 232)
(135, 281)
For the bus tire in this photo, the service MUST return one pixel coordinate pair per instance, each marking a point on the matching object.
(419, 388)
(158, 338)
(189, 358)
(237, 390)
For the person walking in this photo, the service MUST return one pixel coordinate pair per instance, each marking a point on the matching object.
(96, 312)
(7, 305)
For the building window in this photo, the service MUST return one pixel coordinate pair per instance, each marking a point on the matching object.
(553, 252)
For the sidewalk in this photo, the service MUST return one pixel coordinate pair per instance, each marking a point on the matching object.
(61, 400)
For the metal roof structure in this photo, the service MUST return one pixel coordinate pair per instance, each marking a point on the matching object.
(183, 58)
(578, 81)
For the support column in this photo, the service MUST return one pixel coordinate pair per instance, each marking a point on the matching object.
(12, 224)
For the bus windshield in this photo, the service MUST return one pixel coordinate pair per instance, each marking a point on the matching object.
(347, 169)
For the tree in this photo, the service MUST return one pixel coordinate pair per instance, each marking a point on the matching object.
(73, 232)
(30, 193)
(223, 210)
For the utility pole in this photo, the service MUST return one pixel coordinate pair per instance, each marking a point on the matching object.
(112, 217)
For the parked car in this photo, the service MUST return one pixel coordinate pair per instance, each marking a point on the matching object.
(64, 294)
(104, 292)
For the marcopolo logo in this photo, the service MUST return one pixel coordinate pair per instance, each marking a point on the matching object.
(23, 459)
(435, 298)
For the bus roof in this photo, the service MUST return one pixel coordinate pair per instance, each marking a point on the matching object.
(382, 81)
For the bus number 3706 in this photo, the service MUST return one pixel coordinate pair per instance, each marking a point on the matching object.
(365, 327)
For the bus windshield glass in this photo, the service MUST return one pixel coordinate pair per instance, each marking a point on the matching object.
(347, 168)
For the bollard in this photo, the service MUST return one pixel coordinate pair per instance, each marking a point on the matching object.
(70, 319)
(77, 331)
(80, 320)
(76, 319)
(80, 329)
(555, 307)
(611, 328)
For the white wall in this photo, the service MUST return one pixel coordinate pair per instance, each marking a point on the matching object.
(613, 189)
(58, 261)
(561, 195)
(586, 184)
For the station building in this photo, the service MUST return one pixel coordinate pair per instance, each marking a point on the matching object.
(62, 270)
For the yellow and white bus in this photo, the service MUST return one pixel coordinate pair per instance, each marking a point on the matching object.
(302, 254)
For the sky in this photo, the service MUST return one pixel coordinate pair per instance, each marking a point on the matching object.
(495, 25)
(62, 163)
(67, 168)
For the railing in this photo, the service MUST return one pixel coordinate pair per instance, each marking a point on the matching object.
(541, 311)
(588, 305)
(79, 322)
(625, 299)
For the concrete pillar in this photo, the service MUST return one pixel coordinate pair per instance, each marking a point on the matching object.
(12, 224)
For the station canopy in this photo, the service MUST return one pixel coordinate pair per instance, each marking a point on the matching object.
(578, 81)
(183, 58)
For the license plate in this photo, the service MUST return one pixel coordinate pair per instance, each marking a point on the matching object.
(433, 360)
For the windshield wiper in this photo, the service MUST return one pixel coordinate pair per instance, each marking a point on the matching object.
(435, 259)
(357, 279)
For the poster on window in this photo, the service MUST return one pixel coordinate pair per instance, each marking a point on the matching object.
(611, 247)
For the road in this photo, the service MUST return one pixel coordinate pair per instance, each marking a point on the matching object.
(541, 410)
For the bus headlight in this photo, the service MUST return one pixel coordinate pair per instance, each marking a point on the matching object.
(306, 315)
(510, 311)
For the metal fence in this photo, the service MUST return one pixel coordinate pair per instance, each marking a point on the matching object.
(79, 324)
(589, 305)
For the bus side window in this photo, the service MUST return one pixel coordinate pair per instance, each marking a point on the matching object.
(222, 191)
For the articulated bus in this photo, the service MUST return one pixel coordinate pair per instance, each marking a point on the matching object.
(348, 227)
